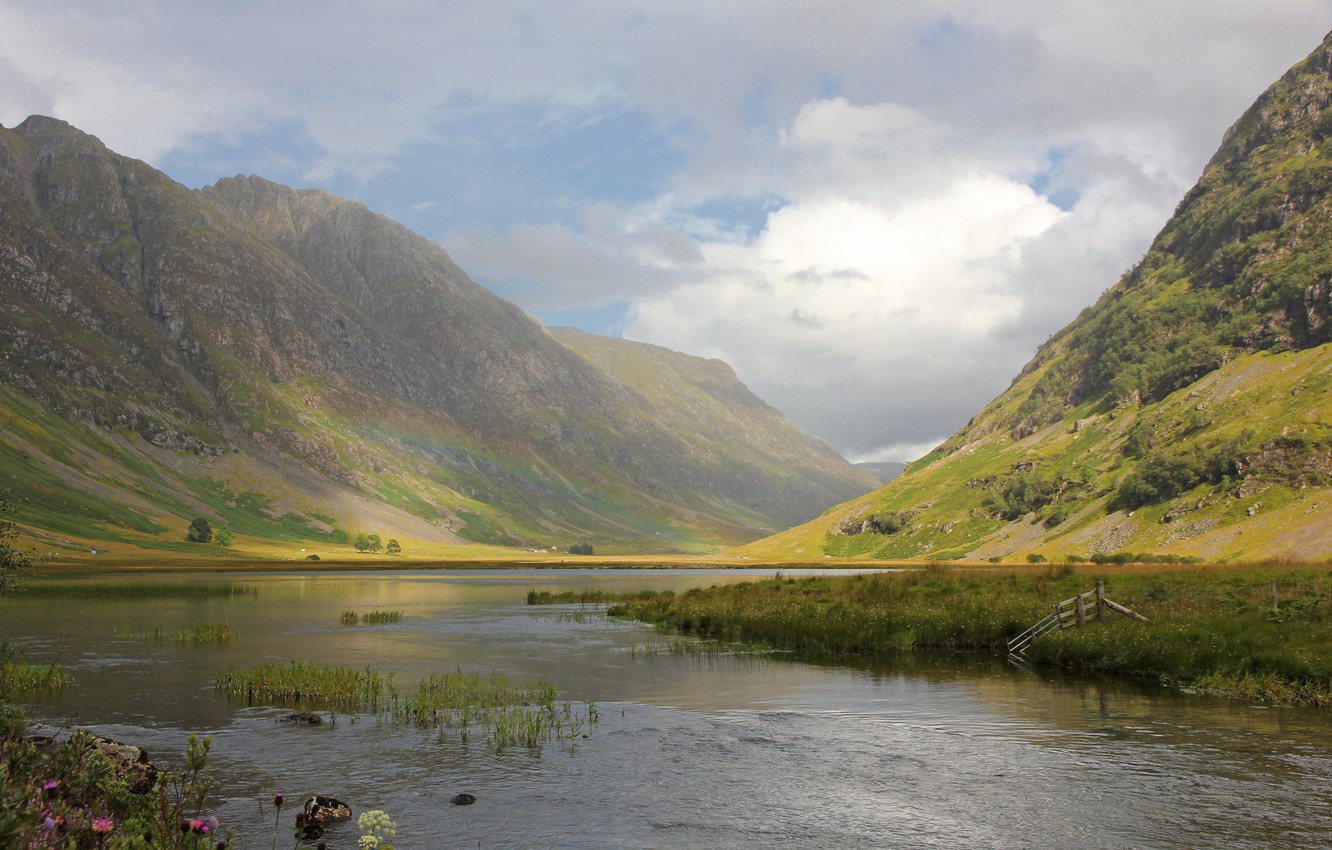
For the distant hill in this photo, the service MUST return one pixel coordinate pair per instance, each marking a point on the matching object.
(885, 470)
(297, 368)
(1187, 412)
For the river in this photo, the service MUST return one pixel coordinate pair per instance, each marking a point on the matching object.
(691, 750)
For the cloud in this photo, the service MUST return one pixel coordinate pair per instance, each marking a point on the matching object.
(874, 210)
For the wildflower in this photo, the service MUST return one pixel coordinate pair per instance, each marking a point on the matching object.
(278, 799)
(50, 787)
(199, 826)
(103, 826)
(48, 824)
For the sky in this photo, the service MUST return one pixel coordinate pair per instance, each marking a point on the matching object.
(874, 211)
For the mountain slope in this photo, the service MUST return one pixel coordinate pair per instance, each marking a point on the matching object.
(1184, 413)
(294, 364)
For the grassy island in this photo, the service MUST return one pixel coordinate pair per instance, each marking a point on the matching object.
(1219, 629)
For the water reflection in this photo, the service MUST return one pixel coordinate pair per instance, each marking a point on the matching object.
(717, 750)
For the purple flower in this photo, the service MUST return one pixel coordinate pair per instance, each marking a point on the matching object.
(102, 826)
(278, 799)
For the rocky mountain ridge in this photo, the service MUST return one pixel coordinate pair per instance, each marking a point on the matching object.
(167, 351)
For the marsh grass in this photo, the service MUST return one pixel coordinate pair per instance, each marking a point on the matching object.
(198, 634)
(202, 633)
(508, 714)
(373, 618)
(694, 647)
(29, 679)
(136, 590)
(1209, 628)
(155, 632)
(591, 597)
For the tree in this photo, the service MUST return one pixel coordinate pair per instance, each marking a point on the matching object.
(376, 543)
(362, 543)
(393, 547)
(12, 558)
(583, 548)
(224, 537)
(200, 531)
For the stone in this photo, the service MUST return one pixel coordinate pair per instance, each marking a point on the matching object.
(324, 810)
(129, 762)
(463, 799)
(308, 717)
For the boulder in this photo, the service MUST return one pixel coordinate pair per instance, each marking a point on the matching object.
(321, 810)
(463, 799)
(129, 762)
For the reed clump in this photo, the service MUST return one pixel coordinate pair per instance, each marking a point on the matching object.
(591, 597)
(509, 714)
(307, 685)
(137, 590)
(1210, 628)
(372, 618)
(198, 633)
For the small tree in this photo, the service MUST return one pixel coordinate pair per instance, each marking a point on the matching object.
(393, 548)
(583, 548)
(200, 531)
(12, 558)
(362, 543)
(224, 537)
(375, 543)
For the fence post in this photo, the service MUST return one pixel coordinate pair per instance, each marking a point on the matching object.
(1082, 611)
(1100, 600)
(1274, 597)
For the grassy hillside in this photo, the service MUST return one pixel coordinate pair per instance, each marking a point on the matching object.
(296, 368)
(1184, 413)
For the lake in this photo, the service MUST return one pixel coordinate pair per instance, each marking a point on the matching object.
(716, 750)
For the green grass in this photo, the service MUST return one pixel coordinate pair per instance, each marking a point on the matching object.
(588, 597)
(1211, 628)
(53, 589)
(372, 618)
(18, 678)
(524, 715)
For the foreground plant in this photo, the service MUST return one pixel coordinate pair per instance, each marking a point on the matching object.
(375, 828)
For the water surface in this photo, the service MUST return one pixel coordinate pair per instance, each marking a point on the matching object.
(716, 751)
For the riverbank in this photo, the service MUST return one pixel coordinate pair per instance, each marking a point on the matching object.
(1211, 628)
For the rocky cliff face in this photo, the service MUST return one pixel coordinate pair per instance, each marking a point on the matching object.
(1185, 411)
(269, 334)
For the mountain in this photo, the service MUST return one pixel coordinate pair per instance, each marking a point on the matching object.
(885, 470)
(1185, 413)
(296, 367)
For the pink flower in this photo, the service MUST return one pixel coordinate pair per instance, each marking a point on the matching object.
(199, 825)
(50, 787)
(102, 826)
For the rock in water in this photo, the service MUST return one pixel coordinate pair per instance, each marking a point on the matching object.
(323, 810)
(462, 799)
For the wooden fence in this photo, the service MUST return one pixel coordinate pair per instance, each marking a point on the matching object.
(1071, 613)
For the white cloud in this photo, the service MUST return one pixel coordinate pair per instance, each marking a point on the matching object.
(845, 215)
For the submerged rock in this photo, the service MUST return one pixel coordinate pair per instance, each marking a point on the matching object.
(302, 717)
(321, 810)
(462, 799)
(129, 762)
